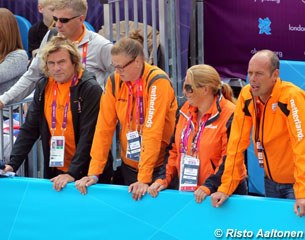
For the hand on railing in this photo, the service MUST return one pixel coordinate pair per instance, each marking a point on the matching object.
(6, 170)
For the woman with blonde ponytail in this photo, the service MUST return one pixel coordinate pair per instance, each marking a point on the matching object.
(201, 135)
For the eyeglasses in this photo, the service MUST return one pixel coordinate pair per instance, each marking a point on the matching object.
(188, 88)
(121, 68)
(64, 20)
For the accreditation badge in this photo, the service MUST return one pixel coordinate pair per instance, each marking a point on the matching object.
(133, 145)
(57, 151)
(189, 169)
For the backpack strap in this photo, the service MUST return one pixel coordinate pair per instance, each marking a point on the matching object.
(112, 79)
(155, 78)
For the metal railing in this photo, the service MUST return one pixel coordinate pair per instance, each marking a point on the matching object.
(12, 117)
(164, 35)
(164, 28)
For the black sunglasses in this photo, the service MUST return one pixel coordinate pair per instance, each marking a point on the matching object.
(120, 68)
(188, 88)
(63, 20)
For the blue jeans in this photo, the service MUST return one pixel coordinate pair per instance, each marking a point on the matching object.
(278, 190)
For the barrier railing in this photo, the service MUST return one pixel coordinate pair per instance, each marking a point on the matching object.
(172, 215)
(11, 118)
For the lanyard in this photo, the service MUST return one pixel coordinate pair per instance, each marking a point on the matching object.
(258, 118)
(185, 134)
(139, 103)
(259, 146)
(84, 53)
(64, 123)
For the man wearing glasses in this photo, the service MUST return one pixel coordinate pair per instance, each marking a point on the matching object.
(94, 49)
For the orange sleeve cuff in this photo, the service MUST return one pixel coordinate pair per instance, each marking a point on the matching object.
(205, 189)
(162, 182)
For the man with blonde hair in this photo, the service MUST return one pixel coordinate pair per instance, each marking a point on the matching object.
(63, 113)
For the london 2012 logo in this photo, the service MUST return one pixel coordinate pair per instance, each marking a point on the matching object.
(264, 26)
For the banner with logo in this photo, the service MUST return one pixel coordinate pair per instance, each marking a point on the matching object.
(235, 31)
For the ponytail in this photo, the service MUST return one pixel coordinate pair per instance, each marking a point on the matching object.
(227, 92)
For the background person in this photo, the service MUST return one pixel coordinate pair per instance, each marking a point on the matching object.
(13, 59)
(94, 49)
(140, 97)
(201, 134)
(65, 110)
(274, 111)
(39, 29)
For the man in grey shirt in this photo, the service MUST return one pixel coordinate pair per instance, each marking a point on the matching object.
(94, 49)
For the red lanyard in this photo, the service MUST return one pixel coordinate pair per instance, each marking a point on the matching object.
(259, 146)
(84, 53)
(64, 123)
(185, 134)
(139, 103)
(258, 118)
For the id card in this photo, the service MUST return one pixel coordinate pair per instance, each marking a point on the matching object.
(57, 151)
(189, 169)
(133, 145)
(260, 157)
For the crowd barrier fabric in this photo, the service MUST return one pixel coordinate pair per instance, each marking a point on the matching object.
(234, 32)
(31, 209)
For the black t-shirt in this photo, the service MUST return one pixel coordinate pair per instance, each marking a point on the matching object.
(36, 34)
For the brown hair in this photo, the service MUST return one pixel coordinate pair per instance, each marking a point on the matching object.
(205, 75)
(131, 45)
(78, 6)
(55, 44)
(9, 33)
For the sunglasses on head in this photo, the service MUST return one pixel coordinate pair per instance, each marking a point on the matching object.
(63, 20)
(188, 88)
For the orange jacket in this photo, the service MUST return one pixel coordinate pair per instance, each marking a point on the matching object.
(281, 134)
(159, 110)
(213, 141)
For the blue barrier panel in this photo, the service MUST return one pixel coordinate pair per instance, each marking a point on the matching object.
(293, 71)
(31, 209)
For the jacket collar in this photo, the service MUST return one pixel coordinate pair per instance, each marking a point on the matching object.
(276, 91)
(214, 110)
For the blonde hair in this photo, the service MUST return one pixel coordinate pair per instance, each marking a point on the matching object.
(78, 6)
(45, 2)
(131, 45)
(205, 75)
(9, 33)
(55, 44)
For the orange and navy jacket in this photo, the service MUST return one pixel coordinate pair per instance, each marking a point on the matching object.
(281, 132)
(213, 142)
(160, 107)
